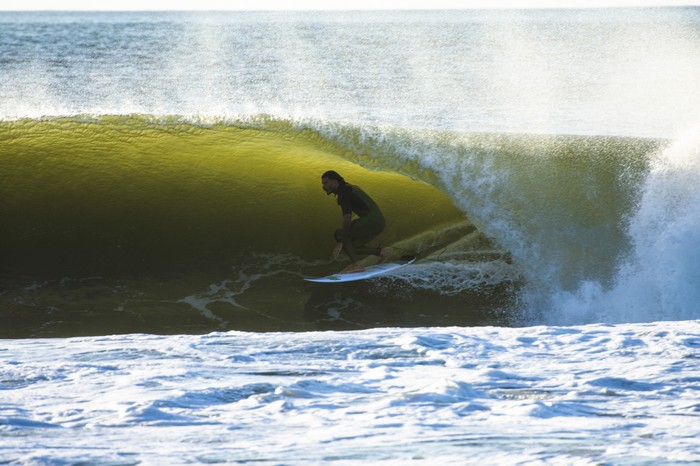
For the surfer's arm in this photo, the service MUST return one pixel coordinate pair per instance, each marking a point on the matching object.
(342, 234)
(337, 250)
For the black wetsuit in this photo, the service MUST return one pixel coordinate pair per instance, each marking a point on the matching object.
(368, 225)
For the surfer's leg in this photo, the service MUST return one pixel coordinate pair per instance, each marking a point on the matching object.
(362, 231)
(348, 245)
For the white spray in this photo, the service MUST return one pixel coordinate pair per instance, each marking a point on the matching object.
(660, 279)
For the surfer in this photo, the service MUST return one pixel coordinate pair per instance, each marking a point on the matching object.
(353, 236)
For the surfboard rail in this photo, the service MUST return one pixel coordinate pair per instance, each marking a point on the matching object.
(369, 272)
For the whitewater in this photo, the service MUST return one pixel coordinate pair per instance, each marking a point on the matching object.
(597, 394)
(161, 205)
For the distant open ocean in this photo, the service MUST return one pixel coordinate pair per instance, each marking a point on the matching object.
(161, 203)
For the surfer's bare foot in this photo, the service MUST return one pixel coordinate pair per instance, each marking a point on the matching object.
(354, 268)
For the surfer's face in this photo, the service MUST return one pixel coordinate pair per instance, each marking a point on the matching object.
(329, 185)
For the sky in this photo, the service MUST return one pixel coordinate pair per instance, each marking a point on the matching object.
(137, 5)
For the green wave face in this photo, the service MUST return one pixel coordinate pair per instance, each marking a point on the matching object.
(136, 193)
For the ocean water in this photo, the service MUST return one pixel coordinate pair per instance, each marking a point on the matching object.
(161, 203)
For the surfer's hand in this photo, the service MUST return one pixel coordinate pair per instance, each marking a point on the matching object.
(337, 250)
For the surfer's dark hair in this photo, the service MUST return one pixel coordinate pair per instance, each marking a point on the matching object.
(333, 175)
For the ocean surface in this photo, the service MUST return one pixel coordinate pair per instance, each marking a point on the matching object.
(161, 204)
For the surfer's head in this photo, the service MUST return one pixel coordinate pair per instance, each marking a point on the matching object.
(331, 181)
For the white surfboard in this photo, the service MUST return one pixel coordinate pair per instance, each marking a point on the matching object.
(370, 271)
